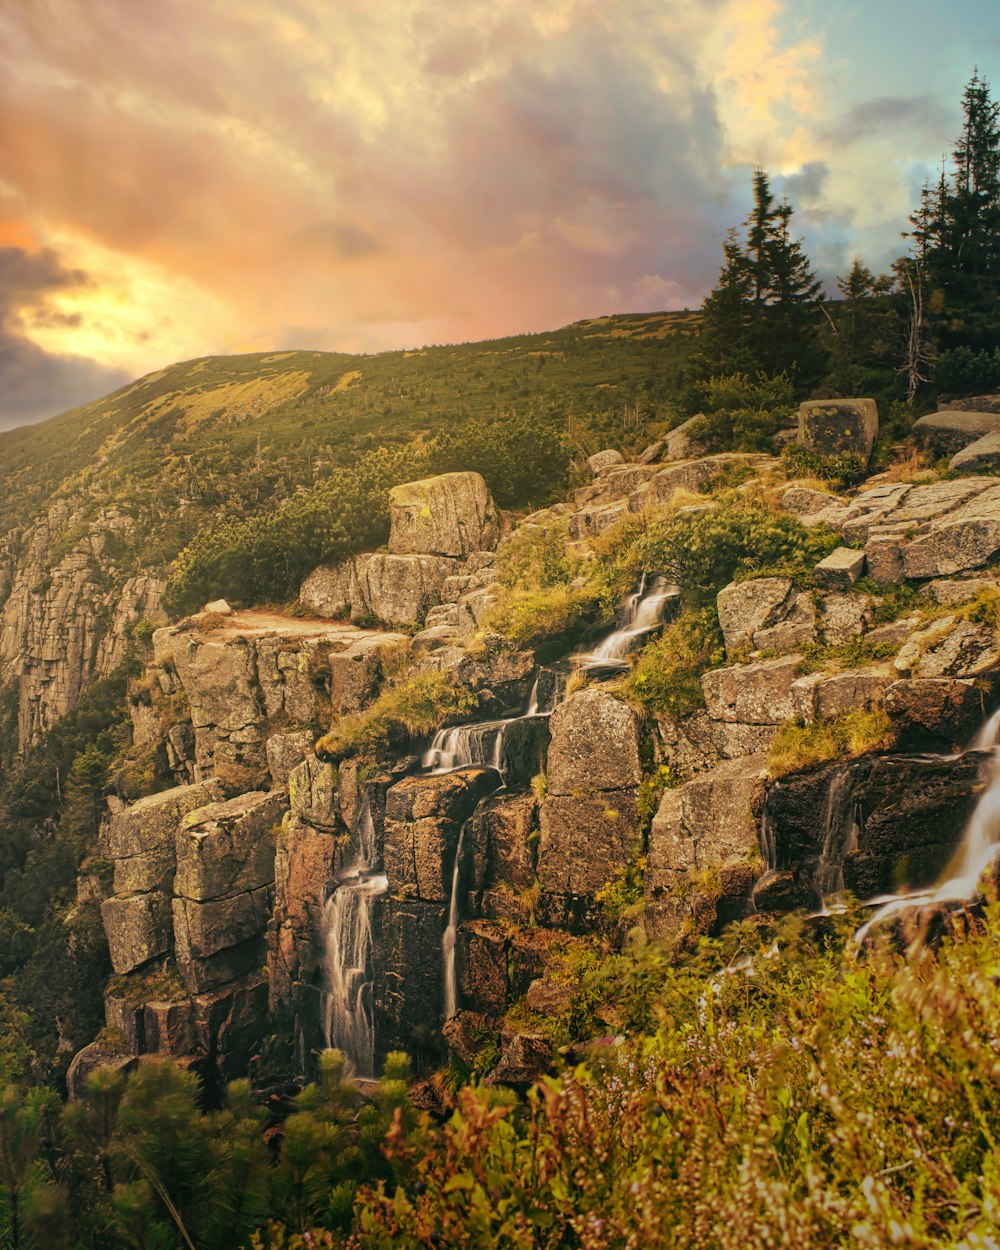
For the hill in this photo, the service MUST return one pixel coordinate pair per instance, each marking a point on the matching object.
(230, 432)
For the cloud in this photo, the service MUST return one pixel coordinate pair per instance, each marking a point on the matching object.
(881, 115)
(35, 383)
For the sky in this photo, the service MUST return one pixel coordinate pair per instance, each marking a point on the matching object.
(181, 178)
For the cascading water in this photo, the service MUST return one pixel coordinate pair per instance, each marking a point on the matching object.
(482, 744)
(347, 943)
(643, 613)
(841, 837)
(451, 935)
(978, 850)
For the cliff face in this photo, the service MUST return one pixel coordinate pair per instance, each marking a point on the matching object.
(411, 897)
(70, 597)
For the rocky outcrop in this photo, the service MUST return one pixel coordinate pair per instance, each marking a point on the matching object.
(72, 600)
(753, 694)
(765, 614)
(449, 515)
(394, 589)
(982, 454)
(707, 824)
(946, 433)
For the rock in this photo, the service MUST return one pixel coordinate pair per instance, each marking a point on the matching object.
(466, 1032)
(140, 837)
(615, 483)
(784, 438)
(169, 1028)
(549, 997)
(218, 607)
(946, 433)
(423, 819)
(449, 515)
(229, 1023)
(585, 839)
(228, 848)
(703, 824)
(682, 443)
(601, 461)
(953, 590)
(895, 633)
(503, 841)
(482, 958)
(691, 475)
(654, 452)
(846, 616)
(950, 648)
(939, 714)
(286, 751)
(841, 569)
(594, 744)
(814, 507)
(138, 928)
(524, 1058)
(820, 697)
(884, 556)
(406, 959)
(332, 589)
(972, 403)
(835, 426)
(964, 539)
(126, 1021)
(87, 1061)
(399, 589)
(779, 892)
(202, 929)
(356, 669)
(312, 794)
(305, 864)
(983, 453)
(473, 608)
(754, 694)
(765, 613)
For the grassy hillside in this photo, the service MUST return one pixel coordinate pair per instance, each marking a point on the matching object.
(232, 434)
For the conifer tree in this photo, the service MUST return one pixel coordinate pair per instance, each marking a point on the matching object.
(761, 316)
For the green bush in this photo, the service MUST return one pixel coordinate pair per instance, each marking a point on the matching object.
(841, 737)
(842, 470)
(665, 678)
(740, 412)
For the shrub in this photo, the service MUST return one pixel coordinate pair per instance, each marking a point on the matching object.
(740, 412)
(842, 470)
(853, 733)
(531, 617)
(666, 677)
(413, 707)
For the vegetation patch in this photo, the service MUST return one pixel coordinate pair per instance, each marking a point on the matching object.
(841, 737)
(414, 707)
(666, 677)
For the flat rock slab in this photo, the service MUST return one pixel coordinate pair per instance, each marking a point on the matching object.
(753, 694)
(841, 569)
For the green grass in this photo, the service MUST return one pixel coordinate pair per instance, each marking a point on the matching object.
(841, 737)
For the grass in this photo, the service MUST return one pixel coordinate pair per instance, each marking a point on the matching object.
(531, 617)
(414, 707)
(796, 747)
(666, 676)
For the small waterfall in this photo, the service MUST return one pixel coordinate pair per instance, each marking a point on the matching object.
(482, 744)
(346, 930)
(841, 837)
(643, 613)
(451, 935)
(978, 849)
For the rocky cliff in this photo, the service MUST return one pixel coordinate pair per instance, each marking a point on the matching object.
(377, 887)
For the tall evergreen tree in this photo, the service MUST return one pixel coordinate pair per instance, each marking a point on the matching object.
(956, 237)
(866, 328)
(761, 316)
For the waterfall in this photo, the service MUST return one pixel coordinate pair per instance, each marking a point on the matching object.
(482, 744)
(346, 930)
(977, 851)
(643, 613)
(451, 935)
(841, 837)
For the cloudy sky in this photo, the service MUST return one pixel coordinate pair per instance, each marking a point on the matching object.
(185, 177)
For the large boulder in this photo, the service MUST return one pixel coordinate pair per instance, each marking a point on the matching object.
(841, 569)
(981, 454)
(424, 816)
(965, 538)
(585, 839)
(938, 714)
(834, 427)
(140, 837)
(601, 461)
(594, 744)
(449, 515)
(708, 823)
(228, 848)
(765, 613)
(946, 433)
(820, 697)
(400, 589)
(683, 442)
(753, 694)
(138, 928)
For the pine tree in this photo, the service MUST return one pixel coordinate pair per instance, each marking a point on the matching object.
(956, 235)
(866, 328)
(761, 316)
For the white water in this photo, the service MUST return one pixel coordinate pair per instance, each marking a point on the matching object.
(346, 929)
(451, 935)
(643, 614)
(481, 744)
(978, 850)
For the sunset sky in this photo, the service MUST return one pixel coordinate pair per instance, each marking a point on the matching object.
(186, 177)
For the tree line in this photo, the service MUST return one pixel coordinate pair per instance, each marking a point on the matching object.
(928, 326)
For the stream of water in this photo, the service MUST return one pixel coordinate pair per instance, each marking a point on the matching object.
(346, 930)
(977, 851)
(644, 612)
